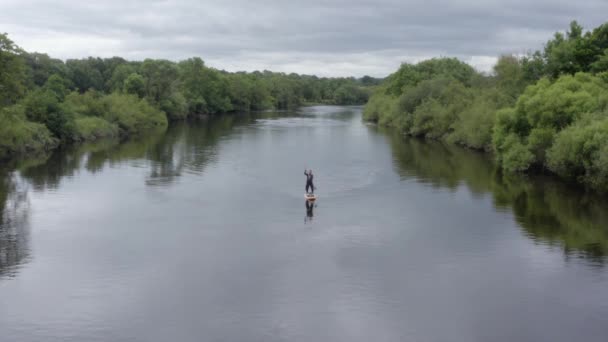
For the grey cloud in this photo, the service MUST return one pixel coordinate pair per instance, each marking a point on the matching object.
(332, 37)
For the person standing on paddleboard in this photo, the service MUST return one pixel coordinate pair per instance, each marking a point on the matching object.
(309, 184)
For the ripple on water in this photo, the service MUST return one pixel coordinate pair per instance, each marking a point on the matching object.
(297, 122)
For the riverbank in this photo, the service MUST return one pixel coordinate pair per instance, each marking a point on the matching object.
(47, 102)
(535, 114)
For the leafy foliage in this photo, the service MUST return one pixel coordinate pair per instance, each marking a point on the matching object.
(410, 75)
(91, 98)
(135, 84)
(580, 152)
(12, 72)
(19, 136)
(542, 111)
(545, 111)
(131, 114)
(90, 128)
(571, 52)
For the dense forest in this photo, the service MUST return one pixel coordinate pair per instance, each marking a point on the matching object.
(543, 112)
(45, 102)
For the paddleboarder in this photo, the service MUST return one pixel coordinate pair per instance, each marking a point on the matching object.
(309, 184)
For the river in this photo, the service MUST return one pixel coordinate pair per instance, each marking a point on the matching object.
(202, 233)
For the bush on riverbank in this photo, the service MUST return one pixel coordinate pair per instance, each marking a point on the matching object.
(580, 152)
(381, 108)
(19, 136)
(474, 124)
(131, 114)
(523, 134)
(90, 128)
(43, 106)
(445, 99)
(90, 116)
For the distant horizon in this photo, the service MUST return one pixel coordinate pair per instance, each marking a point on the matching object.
(334, 38)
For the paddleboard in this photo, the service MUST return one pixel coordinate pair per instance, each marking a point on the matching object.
(310, 197)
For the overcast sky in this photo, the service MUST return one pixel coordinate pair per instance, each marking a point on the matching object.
(322, 37)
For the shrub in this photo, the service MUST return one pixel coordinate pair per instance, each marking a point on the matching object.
(135, 85)
(131, 114)
(43, 107)
(516, 157)
(87, 104)
(473, 127)
(18, 136)
(175, 106)
(543, 111)
(580, 152)
(379, 105)
(90, 128)
(435, 106)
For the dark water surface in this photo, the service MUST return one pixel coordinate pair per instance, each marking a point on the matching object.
(202, 234)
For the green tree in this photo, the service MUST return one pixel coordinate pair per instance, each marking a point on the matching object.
(160, 79)
(510, 76)
(43, 106)
(57, 85)
(410, 75)
(40, 67)
(533, 67)
(369, 81)
(119, 76)
(134, 84)
(192, 84)
(580, 151)
(85, 74)
(175, 106)
(240, 89)
(132, 115)
(601, 63)
(205, 89)
(12, 72)
(107, 67)
(543, 110)
(19, 136)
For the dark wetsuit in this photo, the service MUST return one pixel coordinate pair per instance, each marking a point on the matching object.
(309, 182)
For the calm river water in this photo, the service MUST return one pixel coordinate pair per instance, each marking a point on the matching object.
(202, 234)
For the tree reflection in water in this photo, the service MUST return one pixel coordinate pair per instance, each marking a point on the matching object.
(167, 154)
(14, 224)
(548, 210)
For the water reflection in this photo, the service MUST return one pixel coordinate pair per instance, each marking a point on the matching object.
(189, 147)
(310, 206)
(185, 146)
(166, 154)
(548, 211)
(14, 224)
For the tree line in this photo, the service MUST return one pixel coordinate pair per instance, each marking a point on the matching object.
(543, 112)
(45, 102)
